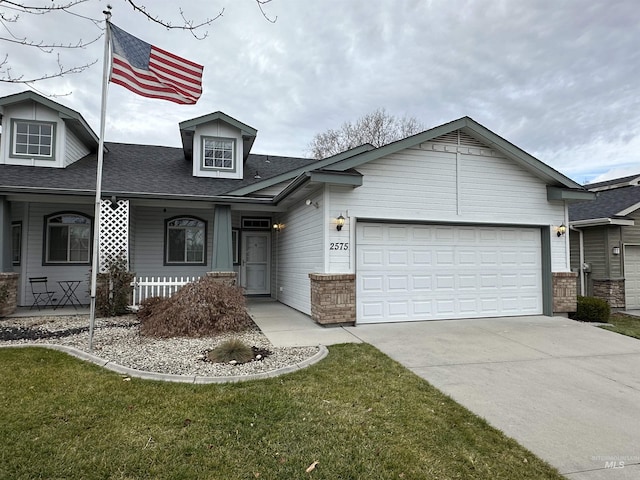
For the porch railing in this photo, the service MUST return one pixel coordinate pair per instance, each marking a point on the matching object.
(145, 287)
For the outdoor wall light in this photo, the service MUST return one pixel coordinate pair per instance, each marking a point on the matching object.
(562, 229)
(339, 222)
(278, 227)
(615, 250)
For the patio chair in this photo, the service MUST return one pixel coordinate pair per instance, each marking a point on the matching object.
(42, 296)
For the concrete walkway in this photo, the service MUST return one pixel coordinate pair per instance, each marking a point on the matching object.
(286, 327)
(567, 391)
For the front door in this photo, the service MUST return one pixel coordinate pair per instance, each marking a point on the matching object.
(255, 262)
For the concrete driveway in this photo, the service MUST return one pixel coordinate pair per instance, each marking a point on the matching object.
(567, 391)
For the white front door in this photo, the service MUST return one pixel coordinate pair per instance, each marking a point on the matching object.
(255, 262)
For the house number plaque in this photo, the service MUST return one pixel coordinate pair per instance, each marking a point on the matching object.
(339, 246)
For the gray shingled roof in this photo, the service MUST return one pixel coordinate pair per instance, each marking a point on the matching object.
(142, 170)
(614, 181)
(606, 205)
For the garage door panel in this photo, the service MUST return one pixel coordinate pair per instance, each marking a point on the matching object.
(446, 272)
(632, 276)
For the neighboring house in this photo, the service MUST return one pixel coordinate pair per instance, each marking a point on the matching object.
(605, 246)
(454, 222)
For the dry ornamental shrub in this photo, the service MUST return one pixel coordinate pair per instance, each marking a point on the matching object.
(233, 349)
(201, 308)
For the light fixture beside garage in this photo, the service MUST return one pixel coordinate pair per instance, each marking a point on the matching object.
(615, 250)
(562, 229)
(339, 222)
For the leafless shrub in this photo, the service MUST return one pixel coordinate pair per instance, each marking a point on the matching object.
(198, 309)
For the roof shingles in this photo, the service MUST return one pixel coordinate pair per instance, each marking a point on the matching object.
(143, 170)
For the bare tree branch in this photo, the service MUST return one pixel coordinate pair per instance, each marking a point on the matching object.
(377, 128)
(261, 4)
(11, 12)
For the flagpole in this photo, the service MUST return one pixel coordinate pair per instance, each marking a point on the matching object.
(95, 264)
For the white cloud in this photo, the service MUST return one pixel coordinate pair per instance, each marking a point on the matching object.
(558, 79)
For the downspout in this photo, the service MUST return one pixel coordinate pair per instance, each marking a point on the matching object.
(581, 251)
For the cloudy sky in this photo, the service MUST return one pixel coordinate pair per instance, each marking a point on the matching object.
(560, 79)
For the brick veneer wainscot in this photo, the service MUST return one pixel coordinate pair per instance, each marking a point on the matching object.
(565, 292)
(333, 298)
(8, 293)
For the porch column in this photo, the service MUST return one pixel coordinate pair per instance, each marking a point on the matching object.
(6, 264)
(222, 244)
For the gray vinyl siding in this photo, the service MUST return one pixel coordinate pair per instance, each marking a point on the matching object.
(594, 241)
(74, 149)
(149, 242)
(614, 239)
(33, 231)
(299, 252)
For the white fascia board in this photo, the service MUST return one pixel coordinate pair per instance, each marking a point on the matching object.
(595, 222)
(628, 210)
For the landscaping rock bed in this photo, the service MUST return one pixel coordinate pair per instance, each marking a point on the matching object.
(118, 340)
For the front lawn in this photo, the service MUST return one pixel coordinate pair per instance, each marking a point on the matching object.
(357, 413)
(624, 324)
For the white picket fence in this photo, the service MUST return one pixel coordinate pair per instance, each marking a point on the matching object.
(145, 287)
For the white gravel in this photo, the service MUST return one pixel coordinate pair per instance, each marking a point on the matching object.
(118, 340)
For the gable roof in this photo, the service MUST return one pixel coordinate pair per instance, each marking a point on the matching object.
(172, 175)
(560, 187)
(74, 121)
(614, 183)
(474, 129)
(608, 207)
(188, 127)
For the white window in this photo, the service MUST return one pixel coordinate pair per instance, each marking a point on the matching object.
(218, 153)
(68, 238)
(33, 139)
(185, 241)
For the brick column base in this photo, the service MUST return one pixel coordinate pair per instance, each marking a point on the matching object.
(565, 292)
(8, 293)
(610, 290)
(333, 298)
(227, 278)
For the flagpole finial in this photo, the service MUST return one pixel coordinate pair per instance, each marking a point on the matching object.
(107, 12)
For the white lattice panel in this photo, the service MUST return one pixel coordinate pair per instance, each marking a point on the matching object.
(114, 231)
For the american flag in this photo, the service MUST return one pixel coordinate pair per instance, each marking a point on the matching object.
(152, 72)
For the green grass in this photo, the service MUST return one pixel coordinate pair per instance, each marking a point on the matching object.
(358, 413)
(624, 324)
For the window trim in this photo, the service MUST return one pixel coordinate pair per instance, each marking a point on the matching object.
(12, 149)
(18, 247)
(166, 261)
(235, 241)
(245, 223)
(234, 160)
(45, 243)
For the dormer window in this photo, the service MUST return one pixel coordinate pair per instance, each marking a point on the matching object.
(218, 153)
(33, 139)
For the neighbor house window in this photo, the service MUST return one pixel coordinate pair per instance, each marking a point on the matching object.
(218, 153)
(16, 242)
(185, 241)
(33, 139)
(68, 238)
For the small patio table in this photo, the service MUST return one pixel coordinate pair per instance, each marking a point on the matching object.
(69, 293)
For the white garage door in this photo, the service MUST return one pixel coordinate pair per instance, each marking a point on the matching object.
(428, 272)
(632, 276)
